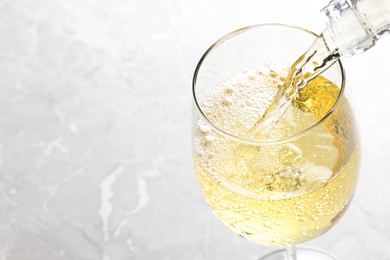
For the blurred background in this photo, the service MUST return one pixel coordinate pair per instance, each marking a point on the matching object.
(95, 131)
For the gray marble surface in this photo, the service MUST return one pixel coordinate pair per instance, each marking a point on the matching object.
(95, 119)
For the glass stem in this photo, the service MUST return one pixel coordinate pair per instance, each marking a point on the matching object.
(291, 253)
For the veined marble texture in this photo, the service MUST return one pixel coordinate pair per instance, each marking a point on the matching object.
(95, 119)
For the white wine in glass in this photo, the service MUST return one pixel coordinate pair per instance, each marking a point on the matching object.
(295, 183)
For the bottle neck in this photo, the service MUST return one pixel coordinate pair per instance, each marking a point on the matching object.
(353, 26)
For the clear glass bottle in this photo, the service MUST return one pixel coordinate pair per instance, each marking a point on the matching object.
(353, 26)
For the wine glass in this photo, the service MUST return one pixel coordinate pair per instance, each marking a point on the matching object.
(294, 185)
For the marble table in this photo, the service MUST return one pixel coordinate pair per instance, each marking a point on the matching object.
(95, 122)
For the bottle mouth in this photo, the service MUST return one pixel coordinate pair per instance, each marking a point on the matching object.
(342, 17)
(246, 140)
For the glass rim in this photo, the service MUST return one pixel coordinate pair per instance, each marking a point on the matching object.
(254, 141)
